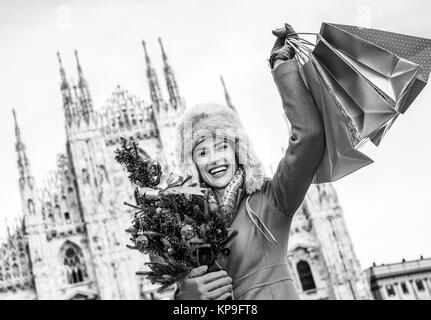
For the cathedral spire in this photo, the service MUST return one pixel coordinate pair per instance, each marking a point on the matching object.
(84, 91)
(156, 95)
(78, 65)
(23, 164)
(62, 72)
(226, 94)
(65, 91)
(7, 229)
(164, 56)
(171, 82)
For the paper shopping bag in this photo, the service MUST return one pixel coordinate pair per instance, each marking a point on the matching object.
(375, 110)
(341, 134)
(397, 64)
(405, 61)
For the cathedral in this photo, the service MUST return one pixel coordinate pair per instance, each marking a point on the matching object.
(70, 241)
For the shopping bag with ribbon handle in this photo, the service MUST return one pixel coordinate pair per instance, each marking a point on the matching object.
(342, 135)
(397, 65)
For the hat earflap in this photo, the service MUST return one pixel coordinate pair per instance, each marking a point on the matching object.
(253, 168)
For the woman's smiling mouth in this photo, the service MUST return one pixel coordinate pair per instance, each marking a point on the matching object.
(218, 171)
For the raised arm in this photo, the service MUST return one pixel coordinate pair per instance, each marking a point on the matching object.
(296, 169)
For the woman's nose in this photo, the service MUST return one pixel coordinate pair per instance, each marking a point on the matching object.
(214, 157)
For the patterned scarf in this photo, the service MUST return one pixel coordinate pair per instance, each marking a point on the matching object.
(230, 195)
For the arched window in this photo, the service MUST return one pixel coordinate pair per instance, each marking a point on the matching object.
(73, 262)
(104, 173)
(24, 263)
(58, 212)
(50, 213)
(15, 270)
(71, 196)
(305, 276)
(64, 201)
(85, 176)
(30, 206)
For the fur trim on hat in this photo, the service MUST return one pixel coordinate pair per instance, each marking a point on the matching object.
(210, 119)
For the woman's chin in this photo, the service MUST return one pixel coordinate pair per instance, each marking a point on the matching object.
(217, 184)
(220, 183)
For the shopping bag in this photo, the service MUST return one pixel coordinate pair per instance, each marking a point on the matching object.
(413, 49)
(341, 134)
(376, 108)
(399, 65)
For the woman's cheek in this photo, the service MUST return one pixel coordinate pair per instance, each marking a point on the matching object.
(231, 158)
(200, 161)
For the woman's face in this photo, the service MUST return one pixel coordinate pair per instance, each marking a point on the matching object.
(215, 160)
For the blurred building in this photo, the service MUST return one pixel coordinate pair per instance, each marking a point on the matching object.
(321, 257)
(406, 280)
(70, 242)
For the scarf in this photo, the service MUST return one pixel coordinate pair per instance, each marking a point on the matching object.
(228, 205)
(230, 196)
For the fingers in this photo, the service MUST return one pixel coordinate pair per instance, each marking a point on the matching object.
(197, 272)
(211, 276)
(290, 31)
(282, 32)
(217, 293)
(224, 296)
(288, 27)
(280, 38)
(221, 282)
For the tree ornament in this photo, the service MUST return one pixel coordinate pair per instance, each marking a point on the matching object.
(213, 207)
(167, 277)
(142, 243)
(167, 246)
(187, 232)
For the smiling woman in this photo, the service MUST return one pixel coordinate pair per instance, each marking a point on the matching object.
(214, 149)
(216, 162)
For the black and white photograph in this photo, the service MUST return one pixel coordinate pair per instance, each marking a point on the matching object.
(215, 150)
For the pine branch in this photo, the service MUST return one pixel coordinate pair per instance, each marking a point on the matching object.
(176, 226)
(142, 172)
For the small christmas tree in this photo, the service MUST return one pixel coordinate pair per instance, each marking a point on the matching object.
(173, 220)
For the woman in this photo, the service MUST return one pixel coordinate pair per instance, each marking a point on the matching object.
(214, 149)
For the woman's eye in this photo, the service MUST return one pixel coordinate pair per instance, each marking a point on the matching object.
(202, 153)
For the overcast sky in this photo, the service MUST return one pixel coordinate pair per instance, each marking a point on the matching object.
(386, 204)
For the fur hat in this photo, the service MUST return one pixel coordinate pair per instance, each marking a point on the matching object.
(204, 120)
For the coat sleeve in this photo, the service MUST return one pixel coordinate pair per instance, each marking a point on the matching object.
(296, 169)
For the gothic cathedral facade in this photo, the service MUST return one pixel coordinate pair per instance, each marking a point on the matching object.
(70, 241)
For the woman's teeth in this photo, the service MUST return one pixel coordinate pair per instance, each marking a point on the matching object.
(218, 171)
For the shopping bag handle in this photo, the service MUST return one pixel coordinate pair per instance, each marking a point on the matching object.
(303, 52)
(301, 45)
(318, 35)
